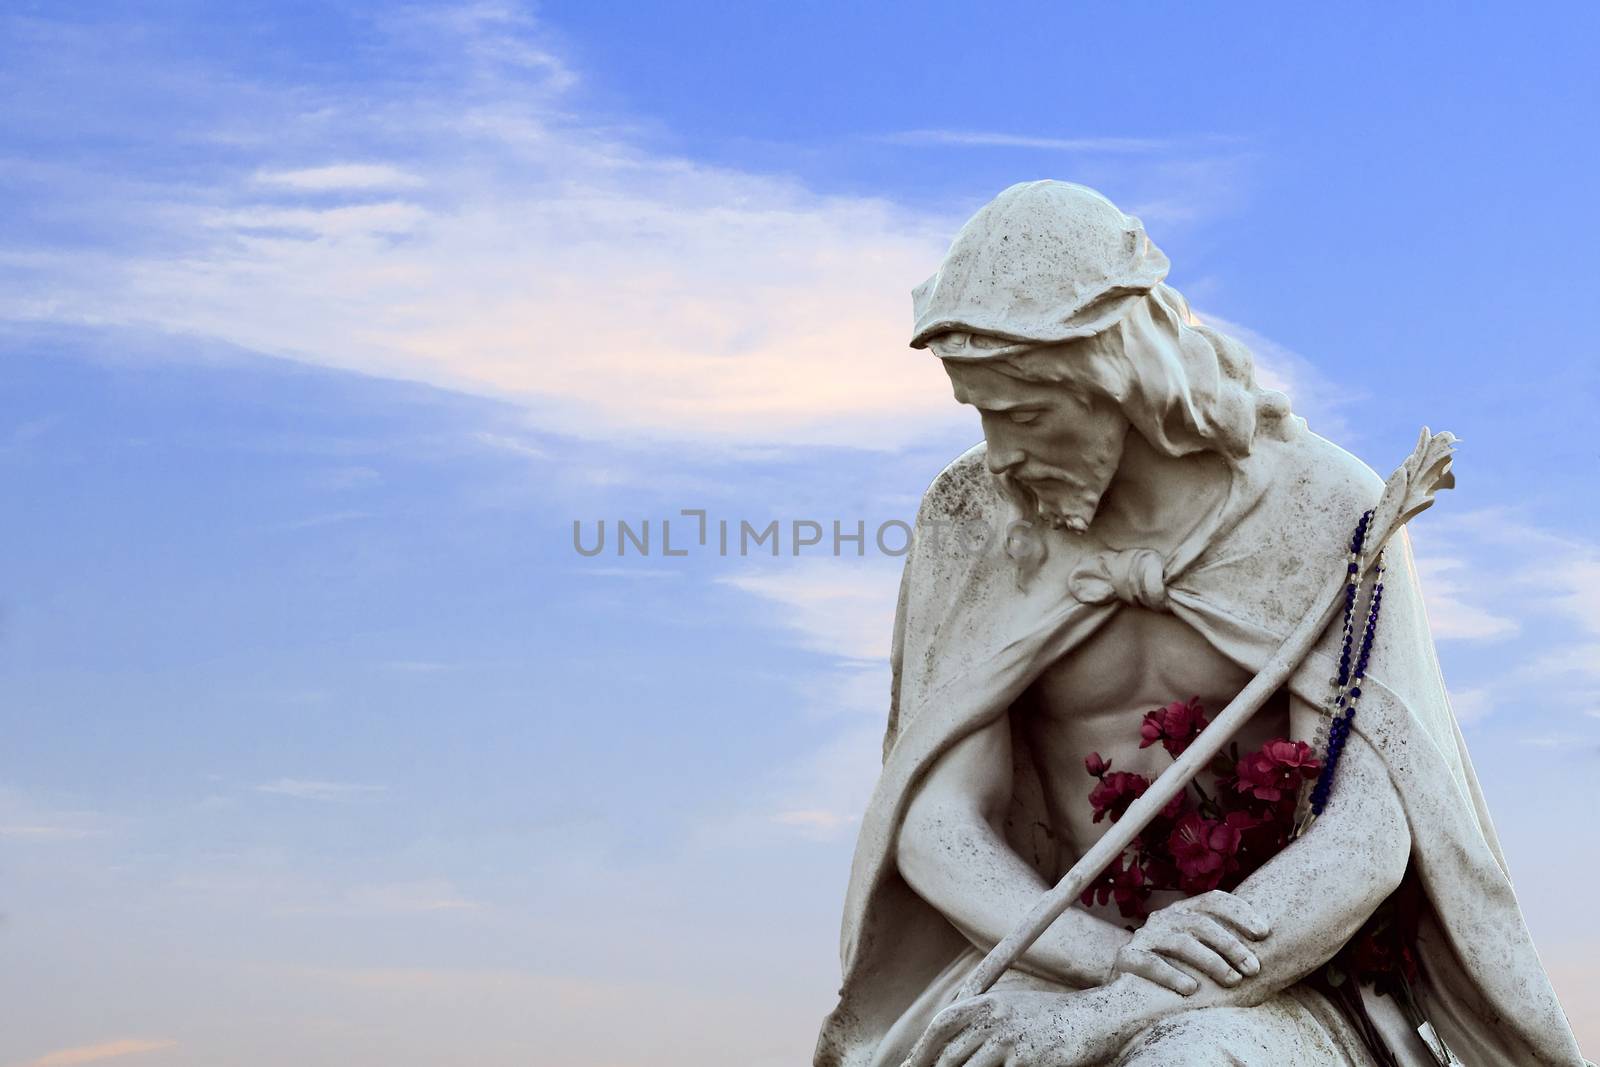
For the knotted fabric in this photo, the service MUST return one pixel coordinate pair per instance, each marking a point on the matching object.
(1133, 576)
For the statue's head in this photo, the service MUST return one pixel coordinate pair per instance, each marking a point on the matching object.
(1051, 318)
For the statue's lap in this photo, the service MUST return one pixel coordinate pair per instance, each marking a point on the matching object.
(1294, 1028)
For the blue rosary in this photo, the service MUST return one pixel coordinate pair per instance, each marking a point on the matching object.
(1345, 687)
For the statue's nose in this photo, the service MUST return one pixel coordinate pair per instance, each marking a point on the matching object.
(1003, 459)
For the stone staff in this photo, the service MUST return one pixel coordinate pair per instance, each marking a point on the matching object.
(1409, 490)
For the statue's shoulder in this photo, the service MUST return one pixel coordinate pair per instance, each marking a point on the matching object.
(964, 490)
(1312, 494)
(1319, 473)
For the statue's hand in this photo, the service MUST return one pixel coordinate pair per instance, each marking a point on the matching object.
(1207, 933)
(1011, 1029)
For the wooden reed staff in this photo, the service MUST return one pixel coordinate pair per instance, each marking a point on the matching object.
(1408, 491)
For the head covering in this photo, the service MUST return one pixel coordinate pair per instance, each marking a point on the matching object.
(1041, 263)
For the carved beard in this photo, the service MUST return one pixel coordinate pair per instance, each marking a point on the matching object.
(1059, 498)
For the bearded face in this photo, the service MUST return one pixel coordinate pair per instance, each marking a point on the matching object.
(1054, 446)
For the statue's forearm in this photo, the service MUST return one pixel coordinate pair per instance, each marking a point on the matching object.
(1313, 895)
(959, 864)
(1316, 893)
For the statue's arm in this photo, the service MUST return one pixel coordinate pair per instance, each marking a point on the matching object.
(953, 852)
(1314, 895)
(1318, 891)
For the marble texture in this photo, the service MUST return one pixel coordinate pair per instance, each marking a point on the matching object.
(1168, 522)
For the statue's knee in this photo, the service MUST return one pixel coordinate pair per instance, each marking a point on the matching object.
(1205, 1038)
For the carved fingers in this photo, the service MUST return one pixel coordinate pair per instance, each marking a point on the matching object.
(1206, 934)
(997, 1030)
(1150, 964)
(956, 1035)
(1236, 911)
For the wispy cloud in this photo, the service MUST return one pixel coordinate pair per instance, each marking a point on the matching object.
(993, 139)
(1471, 705)
(340, 177)
(625, 572)
(1314, 396)
(504, 443)
(418, 666)
(831, 606)
(26, 818)
(822, 794)
(1551, 740)
(345, 479)
(572, 1018)
(303, 789)
(518, 251)
(1451, 615)
(1506, 580)
(105, 1050)
(844, 610)
(44, 832)
(332, 518)
(409, 898)
(24, 433)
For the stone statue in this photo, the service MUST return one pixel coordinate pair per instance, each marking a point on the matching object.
(1159, 524)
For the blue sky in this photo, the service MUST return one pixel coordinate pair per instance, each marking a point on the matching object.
(320, 325)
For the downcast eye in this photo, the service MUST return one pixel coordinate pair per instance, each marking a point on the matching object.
(1022, 418)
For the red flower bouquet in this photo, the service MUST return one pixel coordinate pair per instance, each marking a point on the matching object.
(1201, 841)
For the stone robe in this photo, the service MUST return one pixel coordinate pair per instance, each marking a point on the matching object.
(968, 642)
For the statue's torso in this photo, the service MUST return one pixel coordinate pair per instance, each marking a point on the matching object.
(1094, 699)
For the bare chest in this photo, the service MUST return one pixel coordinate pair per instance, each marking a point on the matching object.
(1094, 700)
(1138, 660)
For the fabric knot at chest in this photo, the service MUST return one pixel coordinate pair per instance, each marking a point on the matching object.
(1133, 576)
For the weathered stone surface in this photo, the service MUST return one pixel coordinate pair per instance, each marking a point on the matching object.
(1167, 523)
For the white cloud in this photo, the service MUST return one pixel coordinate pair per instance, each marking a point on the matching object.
(1471, 705)
(1574, 659)
(1312, 395)
(503, 443)
(340, 177)
(105, 1050)
(1531, 593)
(1552, 740)
(406, 898)
(259, 225)
(834, 607)
(820, 820)
(494, 1016)
(347, 478)
(45, 832)
(846, 610)
(301, 789)
(821, 795)
(26, 818)
(1571, 579)
(992, 139)
(418, 666)
(523, 250)
(1450, 615)
(332, 518)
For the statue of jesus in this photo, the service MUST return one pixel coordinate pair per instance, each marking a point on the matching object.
(1164, 522)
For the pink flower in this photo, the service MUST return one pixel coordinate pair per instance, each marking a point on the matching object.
(1276, 770)
(1379, 956)
(1124, 882)
(1204, 851)
(1176, 806)
(1095, 765)
(1175, 726)
(1115, 792)
(1262, 836)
